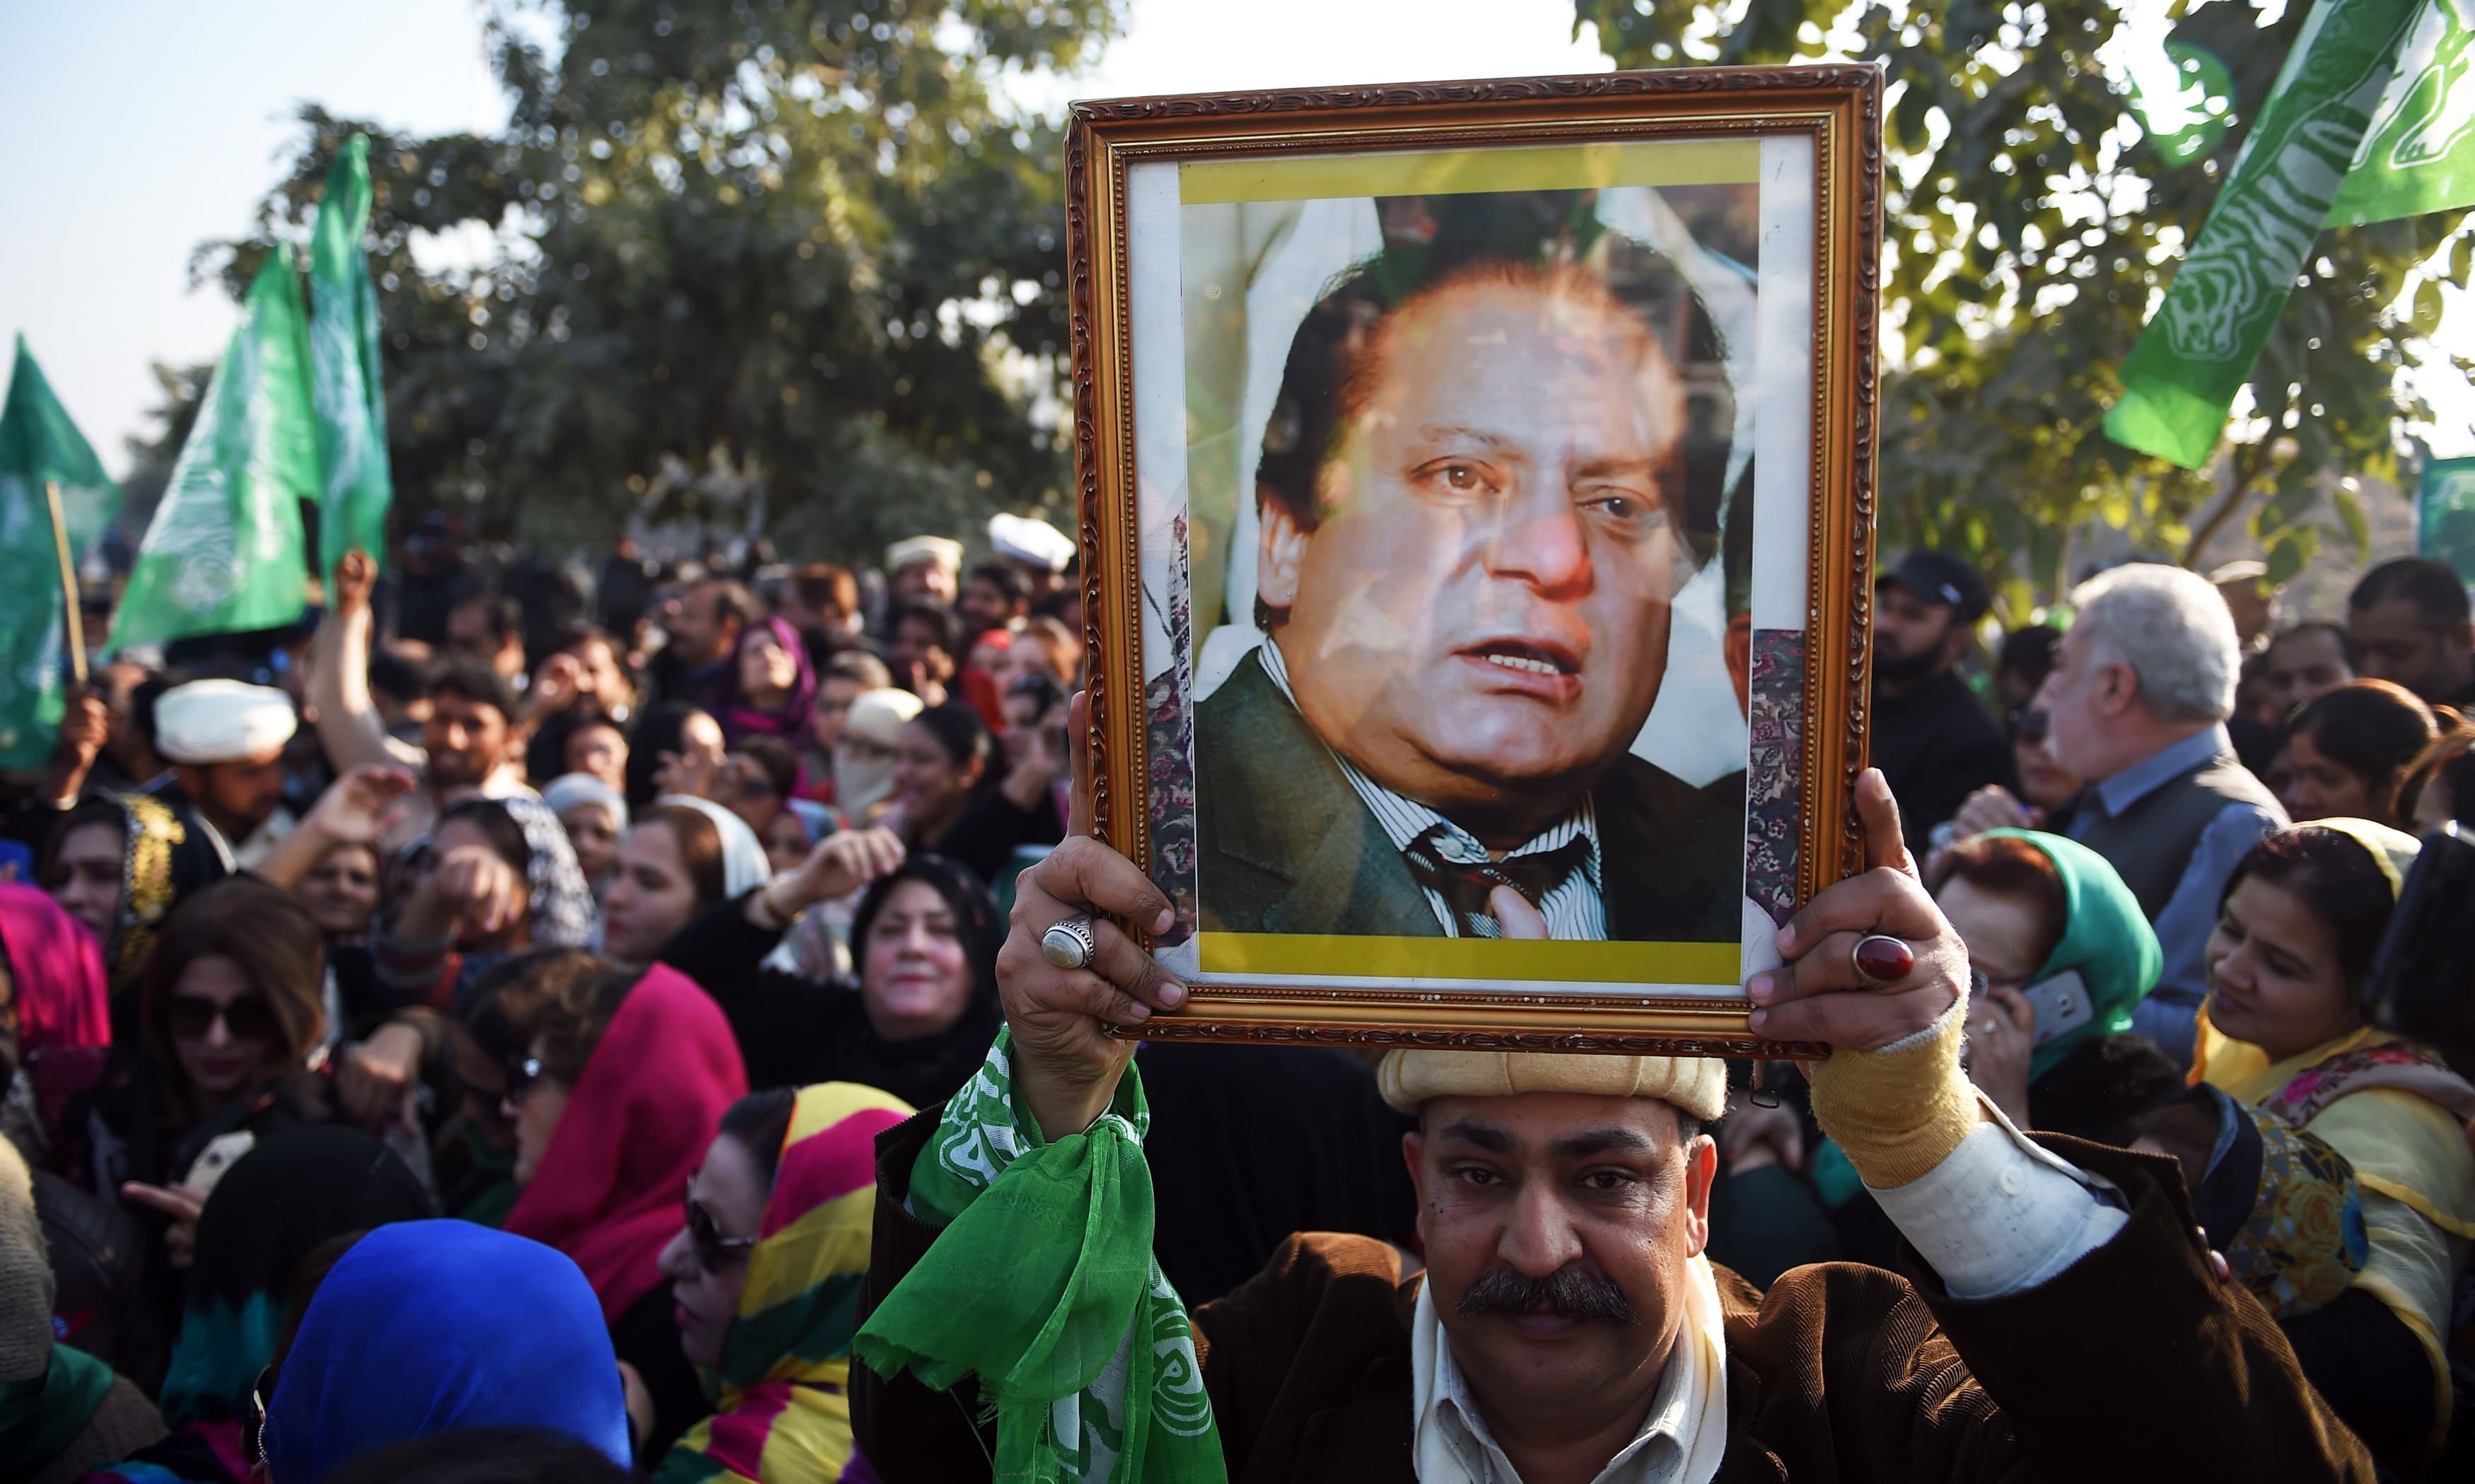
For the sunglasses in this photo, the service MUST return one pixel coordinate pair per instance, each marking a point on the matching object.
(2029, 726)
(714, 1252)
(249, 1018)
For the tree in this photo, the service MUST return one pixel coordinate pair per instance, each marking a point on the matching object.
(151, 457)
(777, 260)
(2030, 225)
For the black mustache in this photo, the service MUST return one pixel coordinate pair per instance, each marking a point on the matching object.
(1569, 1293)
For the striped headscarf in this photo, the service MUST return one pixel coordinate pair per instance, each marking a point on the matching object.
(783, 1411)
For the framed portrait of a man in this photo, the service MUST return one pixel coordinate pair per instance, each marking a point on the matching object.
(1476, 496)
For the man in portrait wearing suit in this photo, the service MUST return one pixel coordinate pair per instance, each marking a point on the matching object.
(1475, 494)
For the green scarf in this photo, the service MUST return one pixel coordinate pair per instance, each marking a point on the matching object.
(43, 1413)
(1044, 1286)
(2105, 936)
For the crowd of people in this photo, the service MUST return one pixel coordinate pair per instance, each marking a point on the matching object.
(520, 1024)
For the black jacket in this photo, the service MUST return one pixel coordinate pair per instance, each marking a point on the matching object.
(793, 1032)
(1936, 745)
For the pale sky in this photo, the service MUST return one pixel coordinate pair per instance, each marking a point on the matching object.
(145, 126)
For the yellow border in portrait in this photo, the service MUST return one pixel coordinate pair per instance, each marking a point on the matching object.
(1733, 161)
(1335, 954)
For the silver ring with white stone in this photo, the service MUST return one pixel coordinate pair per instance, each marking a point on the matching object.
(1070, 944)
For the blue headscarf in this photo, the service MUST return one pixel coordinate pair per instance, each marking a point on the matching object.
(431, 1326)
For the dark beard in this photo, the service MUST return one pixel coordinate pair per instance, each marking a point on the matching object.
(1906, 668)
(1569, 1292)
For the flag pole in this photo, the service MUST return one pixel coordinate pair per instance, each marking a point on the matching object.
(68, 581)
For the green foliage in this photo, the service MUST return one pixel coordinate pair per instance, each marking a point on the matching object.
(785, 260)
(2029, 227)
(184, 390)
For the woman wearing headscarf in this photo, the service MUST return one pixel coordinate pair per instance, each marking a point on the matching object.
(2297, 926)
(55, 993)
(296, 1191)
(766, 1276)
(866, 751)
(684, 855)
(2035, 909)
(61, 1411)
(119, 864)
(230, 1015)
(496, 875)
(623, 1076)
(925, 1007)
(426, 1327)
(595, 816)
(771, 688)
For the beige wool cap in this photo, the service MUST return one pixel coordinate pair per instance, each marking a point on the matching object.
(1697, 1084)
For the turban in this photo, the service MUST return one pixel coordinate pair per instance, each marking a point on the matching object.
(915, 549)
(1034, 542)
(1696, 1085)
(222, 721)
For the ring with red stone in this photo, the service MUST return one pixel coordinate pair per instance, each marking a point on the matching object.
(1880, 958)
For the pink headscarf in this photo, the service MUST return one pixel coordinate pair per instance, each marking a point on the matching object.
(62, 998)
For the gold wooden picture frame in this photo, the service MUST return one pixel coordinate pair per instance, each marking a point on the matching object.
(1456, 664)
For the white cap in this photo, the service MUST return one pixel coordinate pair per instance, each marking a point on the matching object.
(912, 551)
(222, 721)
(1031, 542)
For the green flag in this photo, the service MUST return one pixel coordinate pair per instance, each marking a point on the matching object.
(2445, 515)
(344, 367)
(224, 552)
(2182, 375)
(40, 446)
(2419, 154)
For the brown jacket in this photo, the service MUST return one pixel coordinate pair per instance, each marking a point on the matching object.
(2135, 1364)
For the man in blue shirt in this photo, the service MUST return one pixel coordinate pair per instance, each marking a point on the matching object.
(2138, 703)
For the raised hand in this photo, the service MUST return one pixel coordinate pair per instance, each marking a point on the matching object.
(1992, 808)
(356, 576)
(1065, 1063)
(360, 806)
(1818, 995)
(841, 864)
(2002, 1035)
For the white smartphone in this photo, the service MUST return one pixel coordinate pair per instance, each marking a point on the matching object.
(2061, 1004)
(217, 1158)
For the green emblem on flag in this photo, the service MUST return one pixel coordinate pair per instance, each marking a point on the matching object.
(2419, 154)
(344, 366)
(224, 552)
(39, 447)
(2182, 375)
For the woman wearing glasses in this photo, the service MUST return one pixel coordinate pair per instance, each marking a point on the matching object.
(622, 1078)
(227, 1018)
(767, 1274)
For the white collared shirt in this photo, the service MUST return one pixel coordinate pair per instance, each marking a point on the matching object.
(1574, 908)
(1447, 1414)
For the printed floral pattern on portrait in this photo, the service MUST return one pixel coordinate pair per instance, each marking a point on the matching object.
(1774, 770)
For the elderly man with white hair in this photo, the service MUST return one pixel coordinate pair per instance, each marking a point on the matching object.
(2138, 703)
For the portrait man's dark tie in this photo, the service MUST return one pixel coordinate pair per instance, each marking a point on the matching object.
(1465, 885)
